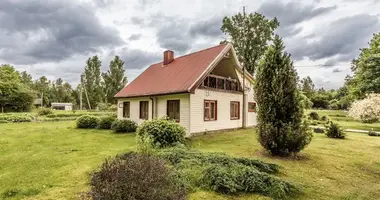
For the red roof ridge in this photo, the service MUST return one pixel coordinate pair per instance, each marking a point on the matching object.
(156, 80)
(189, 54)
(199, 51)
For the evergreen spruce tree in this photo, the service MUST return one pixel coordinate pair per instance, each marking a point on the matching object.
(280, 126)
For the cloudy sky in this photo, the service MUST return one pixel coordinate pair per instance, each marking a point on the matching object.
(54, 37)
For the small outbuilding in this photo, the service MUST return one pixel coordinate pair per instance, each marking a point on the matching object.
(62, 106)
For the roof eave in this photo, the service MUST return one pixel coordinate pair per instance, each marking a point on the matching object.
(157, 94)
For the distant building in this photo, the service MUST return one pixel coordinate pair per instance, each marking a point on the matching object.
(62, 106)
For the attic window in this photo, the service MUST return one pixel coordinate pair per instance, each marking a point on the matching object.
(221, 83)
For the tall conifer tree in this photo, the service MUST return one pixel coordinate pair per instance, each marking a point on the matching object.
(280, 125)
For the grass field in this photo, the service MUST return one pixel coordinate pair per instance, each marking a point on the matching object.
(346, 122)
(52, 161)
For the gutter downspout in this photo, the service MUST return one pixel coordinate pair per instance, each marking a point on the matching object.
(151, 98)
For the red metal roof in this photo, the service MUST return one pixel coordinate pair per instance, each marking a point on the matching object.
(177, 77)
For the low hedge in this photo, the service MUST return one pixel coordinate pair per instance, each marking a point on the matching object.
(16, 117)
(87, 121)
(56, 119)
(44, 111)
(78, 114)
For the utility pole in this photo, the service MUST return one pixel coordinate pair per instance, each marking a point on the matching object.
(80, 97)
(85, 92)
(245, 45)
(42, 99)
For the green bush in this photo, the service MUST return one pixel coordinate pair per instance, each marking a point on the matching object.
(135, 176)
(44, 111)
(177, 154)
(3, 121)
(124, 126)
(239, 178)
(225, 174)
(334, 131)
(87, 121)
(161, 132)
(324, 118)
(314, 116)
(373, 133)
(112, 108)
(319, 130)
(105, 122)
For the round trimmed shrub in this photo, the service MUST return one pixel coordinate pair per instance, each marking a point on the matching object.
(314, 116)
(44, 111)
(136, 176)
(87, 121)
(373, 133)
(124, 126)
(319, 130)
(334, 131)
(161, 133)
(105, 122)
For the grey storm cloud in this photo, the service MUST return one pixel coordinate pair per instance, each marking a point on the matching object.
(138, 59)
(134, 37)
(336, 70)
(342, 39)
(291, 14)
(36, 31)
(209, 27)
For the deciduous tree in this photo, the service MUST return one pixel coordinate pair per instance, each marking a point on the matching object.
(92, 81)
(366, 69)
(114, 79)
(250, 35)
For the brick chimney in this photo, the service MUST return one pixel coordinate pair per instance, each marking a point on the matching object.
(168, 57)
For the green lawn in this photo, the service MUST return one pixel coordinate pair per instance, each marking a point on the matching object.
(52, 161)
(346, 122)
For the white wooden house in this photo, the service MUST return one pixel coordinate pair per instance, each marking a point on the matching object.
(203, 91)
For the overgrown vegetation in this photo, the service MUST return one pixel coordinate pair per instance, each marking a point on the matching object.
(87, 121)
(161, 133)
(135, 176)
(281, 128)
(124, 126)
